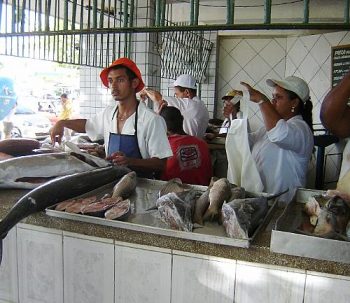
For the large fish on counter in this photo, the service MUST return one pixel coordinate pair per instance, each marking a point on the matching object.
(57, 190)
(176, 209)
(31, 171)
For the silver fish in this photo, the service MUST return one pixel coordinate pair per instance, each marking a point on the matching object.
(202, 204)
(218, 193)
(176, 209)
(126, 186)
(39, 166)
(173, 186)
(242, 216)
(57, 190)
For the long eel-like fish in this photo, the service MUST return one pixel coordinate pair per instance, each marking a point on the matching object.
(57, 190)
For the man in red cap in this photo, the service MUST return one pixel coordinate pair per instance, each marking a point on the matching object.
(134, 135)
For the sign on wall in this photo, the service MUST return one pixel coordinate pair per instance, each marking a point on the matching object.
(340, 63)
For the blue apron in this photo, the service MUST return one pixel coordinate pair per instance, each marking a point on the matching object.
(125, 143)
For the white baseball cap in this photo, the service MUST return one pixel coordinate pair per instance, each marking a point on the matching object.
(186, 81)
(294, 84)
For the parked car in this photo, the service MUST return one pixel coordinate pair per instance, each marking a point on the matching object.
(29, 124)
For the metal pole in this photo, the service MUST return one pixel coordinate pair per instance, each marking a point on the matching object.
(158, 12)
(346, 11)
(306, 11)
(267, 10)
(230, 11)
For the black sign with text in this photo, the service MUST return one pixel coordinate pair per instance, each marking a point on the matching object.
(340, 63)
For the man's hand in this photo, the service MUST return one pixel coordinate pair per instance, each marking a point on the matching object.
(119, 158)
(229, 109)
(56, 132)
(153, 95)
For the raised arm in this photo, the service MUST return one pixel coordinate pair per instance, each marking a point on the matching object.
(269, 113)
(56, 131)
(335, 113)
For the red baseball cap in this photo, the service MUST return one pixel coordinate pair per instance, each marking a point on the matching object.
(127, 63)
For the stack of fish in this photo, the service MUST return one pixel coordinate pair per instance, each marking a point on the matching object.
(329, 216)
(115, 206)
(180, 205)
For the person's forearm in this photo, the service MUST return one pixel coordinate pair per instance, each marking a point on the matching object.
(151, 164)
(335, 113)
(56, 132)
(78, 125)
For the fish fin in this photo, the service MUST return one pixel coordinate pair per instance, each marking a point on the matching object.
(210, 215)
(152, 208)
(197, 225)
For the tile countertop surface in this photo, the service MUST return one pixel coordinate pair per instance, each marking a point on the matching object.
(259, 251)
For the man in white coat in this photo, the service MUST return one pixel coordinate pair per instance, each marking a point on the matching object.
(193, 109)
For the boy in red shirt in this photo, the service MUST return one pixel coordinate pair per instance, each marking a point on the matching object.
(191, 158)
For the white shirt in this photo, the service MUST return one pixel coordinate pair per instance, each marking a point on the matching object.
(195, 113)
(151, 130)
(345, 166)
(282, 155)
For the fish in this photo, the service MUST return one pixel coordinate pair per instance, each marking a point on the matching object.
(99, 208)
(237, 192)
(69, 204)
(202, 204)
(326, 224)
(242, 216)
(126, 186)
(17, 172)
(79, 204)
(218, 193)
(57, 190)
(173, 186)
(176, 209)
(120, 211)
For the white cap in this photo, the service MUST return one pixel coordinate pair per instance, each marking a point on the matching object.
(294, 84)
(186, 81)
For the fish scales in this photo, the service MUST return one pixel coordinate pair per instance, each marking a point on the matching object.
(126, 186)
(173, 186)
(176, 209)
(218, 193)
(241, 217)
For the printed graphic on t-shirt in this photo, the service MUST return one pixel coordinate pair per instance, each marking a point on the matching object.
(188, 157)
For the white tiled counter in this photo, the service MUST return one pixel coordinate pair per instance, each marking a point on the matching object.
(47, 259)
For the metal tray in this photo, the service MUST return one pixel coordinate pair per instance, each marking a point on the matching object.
(284, 240)
(145, 197)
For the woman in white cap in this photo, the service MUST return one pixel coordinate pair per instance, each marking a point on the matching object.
(231, 109)
(282, 149)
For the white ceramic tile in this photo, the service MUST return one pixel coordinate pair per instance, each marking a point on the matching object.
(335, 38)
(243, 53)
(258, 284)
(202, 280)
(142, 276)
(8, 269)
(308, 68)
(40, 266)
(297, 52)
(273, 53)
(321, 50)
(88, 271)
(322, 289)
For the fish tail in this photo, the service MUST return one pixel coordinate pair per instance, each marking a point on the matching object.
(210, 214)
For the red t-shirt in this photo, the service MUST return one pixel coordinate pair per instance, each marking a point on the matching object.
(190, 161)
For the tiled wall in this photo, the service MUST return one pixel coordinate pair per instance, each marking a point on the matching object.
(256, 59)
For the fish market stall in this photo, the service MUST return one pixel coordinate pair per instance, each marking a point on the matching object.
(139, 246)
